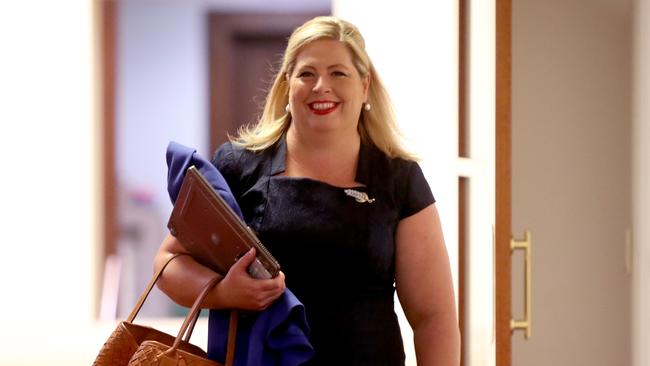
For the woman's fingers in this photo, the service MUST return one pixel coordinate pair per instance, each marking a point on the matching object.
(267, 291)
(269, 288)
(244, 261)
(276, 283)
(245, 292)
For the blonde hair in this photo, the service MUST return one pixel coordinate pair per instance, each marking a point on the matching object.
(377, 126)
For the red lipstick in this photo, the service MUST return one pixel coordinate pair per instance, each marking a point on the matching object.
(322, 107)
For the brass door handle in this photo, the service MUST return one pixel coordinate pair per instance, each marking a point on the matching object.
(524, 324)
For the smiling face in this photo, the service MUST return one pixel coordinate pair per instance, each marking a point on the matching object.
(326, 92)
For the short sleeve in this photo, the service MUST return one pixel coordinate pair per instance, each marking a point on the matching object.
(224, 160)
(223, 157)
(417, 193)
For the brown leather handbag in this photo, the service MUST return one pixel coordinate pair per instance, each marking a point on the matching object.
(133, 344)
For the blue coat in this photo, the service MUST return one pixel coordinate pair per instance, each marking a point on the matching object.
(275, 336)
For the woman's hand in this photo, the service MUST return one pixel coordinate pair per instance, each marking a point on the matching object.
(184, 279)
(238, 290)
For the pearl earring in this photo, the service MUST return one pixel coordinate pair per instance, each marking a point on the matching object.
(367, 107)
(287, 108)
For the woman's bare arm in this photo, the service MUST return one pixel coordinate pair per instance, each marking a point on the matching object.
(425, 289)
(184, 278)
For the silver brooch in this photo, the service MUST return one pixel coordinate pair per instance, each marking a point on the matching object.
(360, 197)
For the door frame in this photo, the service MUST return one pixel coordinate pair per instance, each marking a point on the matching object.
(503, 177)
(108, 229)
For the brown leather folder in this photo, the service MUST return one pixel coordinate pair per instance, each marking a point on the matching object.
(211, 231)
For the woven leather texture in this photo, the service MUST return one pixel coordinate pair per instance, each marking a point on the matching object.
(133, 344)
(118, 349)
(151, 353)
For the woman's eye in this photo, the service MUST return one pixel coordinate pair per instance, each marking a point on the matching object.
(304, 74)
(338, 73)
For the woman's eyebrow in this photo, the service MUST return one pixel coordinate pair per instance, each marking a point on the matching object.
(335, 66)
(306, 66)
(310, 66)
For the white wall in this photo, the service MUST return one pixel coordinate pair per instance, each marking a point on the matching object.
(162, 89)
(49, 185)
(641, 185)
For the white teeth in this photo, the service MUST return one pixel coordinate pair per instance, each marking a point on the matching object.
(322, 106)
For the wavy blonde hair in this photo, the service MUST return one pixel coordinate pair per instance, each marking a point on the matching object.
(377, 126)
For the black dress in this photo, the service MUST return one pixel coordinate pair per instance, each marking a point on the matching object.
(338, 254)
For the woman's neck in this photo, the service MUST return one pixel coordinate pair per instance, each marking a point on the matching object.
(325, 157)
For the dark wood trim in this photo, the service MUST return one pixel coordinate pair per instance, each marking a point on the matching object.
(108, 56)
(107, 20)
(462, 79)
(503, 231)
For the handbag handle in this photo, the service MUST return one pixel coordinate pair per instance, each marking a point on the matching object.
(190, 319)
(152, 283)
(145, 294)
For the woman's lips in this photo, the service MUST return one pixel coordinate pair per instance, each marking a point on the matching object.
(321, 108)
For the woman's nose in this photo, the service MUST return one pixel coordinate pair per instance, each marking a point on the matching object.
(322, 85)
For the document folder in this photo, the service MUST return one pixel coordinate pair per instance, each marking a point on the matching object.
(211, 231)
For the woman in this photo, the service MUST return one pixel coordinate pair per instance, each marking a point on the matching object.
(343, 207)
